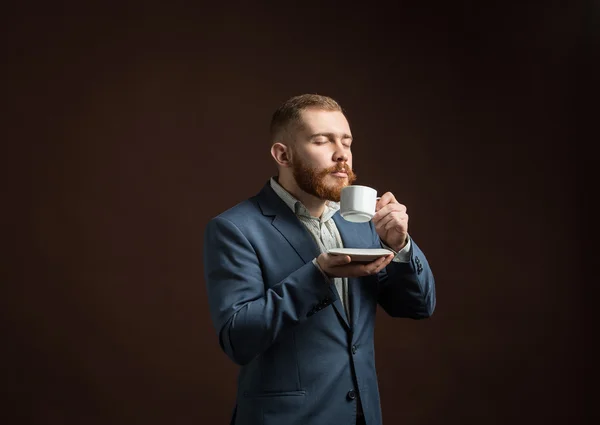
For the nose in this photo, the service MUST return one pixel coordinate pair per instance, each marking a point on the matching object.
(340, 155)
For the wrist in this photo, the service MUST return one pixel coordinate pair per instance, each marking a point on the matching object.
(322, 270)
(400, 246)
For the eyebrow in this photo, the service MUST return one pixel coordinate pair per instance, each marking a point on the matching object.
(329, 135)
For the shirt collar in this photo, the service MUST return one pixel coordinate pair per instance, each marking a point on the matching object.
(298, 208)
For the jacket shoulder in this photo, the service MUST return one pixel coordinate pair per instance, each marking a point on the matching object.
(241, 213)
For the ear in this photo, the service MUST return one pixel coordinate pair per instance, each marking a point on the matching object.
(281, 154)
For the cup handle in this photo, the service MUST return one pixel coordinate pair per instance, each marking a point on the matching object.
(377, 199)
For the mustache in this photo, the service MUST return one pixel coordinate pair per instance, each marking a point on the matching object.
(337, 168)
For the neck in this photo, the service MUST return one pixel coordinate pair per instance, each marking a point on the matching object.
(314, 205)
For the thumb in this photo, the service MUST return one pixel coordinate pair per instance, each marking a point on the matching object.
(339, 260)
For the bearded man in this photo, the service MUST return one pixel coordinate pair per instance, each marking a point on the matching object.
(299, 321)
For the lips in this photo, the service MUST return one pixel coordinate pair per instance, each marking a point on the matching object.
(340, 174)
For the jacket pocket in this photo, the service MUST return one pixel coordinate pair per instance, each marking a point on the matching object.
(280, 407)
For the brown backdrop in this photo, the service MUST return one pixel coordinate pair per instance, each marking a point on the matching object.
(129, 128)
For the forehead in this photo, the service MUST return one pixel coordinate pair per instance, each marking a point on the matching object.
(320, 121)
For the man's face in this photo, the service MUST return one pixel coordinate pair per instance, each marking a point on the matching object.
(321, 154)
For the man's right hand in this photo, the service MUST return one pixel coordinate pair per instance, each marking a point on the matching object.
(343, 266)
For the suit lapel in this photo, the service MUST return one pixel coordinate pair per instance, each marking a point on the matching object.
(286, 222)
(339, 308)
(296, 234)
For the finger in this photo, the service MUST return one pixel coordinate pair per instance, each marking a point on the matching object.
(350, 270)
(391, 220)
(387, 261)
(377, 262)
(384, 221)
(373, 266)
(395, 207)
(400, 222)
(385, 199)
(356, 269)
(338, 260)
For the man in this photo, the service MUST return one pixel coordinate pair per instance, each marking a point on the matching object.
(300, 321)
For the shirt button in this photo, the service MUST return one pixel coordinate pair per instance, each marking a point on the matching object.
(354, 348)
(351, 395)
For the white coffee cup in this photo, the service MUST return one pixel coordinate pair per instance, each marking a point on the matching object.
(357, 203)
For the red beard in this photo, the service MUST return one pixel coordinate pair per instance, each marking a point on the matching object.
(312, 180)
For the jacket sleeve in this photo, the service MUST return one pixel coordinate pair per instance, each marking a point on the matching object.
(247, 315)
(407, 289)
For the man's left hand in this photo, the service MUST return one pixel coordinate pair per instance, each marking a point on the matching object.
(391, 222)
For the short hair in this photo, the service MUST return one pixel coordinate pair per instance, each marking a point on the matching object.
(289, 112)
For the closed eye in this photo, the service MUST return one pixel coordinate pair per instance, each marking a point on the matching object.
(323, 138)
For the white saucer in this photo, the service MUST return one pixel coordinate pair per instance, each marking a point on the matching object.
(361, 254)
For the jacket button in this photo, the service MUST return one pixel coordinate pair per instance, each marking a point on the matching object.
(351, 395)
(354, 349)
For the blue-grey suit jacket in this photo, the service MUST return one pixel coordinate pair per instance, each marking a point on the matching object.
(302, 360)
